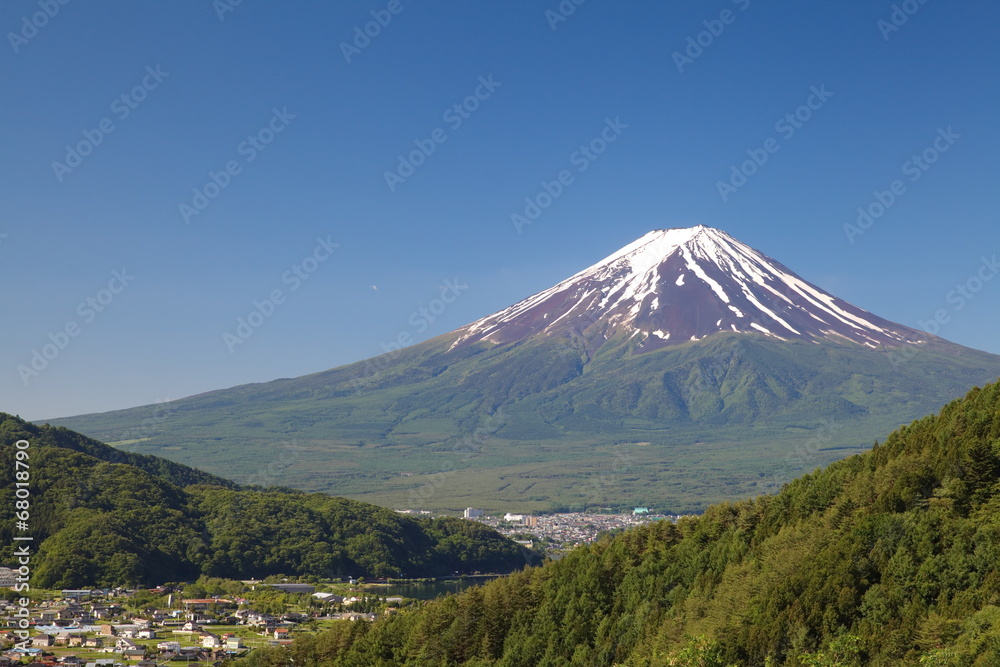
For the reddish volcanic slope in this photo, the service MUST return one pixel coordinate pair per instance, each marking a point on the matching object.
(677, 285)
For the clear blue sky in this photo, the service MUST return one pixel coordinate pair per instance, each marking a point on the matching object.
(197, 86)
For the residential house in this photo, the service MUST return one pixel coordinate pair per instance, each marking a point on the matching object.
(173, 647)
(123, 644)
(42, 640)
(259, 620)
(107, 630)
(281, 633)
(93, 642)
(209, 640)
(205, 604)
(69, 612)
(233, 643)
(102, 613)
(76, 640)
(8, 577)
(62, 639)
(354, 616)
(137, 653)
(145, 633)
(190, 626)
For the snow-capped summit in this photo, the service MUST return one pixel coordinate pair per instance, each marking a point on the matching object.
(677, 285)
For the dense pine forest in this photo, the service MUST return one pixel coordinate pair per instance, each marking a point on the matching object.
(102, 517)
(891, 557)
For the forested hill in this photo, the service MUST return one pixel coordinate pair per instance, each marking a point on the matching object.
(891, 557)
(100, 517)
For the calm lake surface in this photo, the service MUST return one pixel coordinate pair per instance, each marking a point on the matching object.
(428, 590)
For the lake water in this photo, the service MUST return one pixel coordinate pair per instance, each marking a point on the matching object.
(428, 590)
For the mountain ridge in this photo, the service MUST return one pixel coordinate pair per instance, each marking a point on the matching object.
(98, 520)
(539, 421)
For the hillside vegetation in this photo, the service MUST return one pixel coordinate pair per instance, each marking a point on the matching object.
(557, 424)
(101, 517)
(891, 557)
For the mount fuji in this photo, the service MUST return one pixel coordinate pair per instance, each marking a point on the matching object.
(676, 285)
(684, 369)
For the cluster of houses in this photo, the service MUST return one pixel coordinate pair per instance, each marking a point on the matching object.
(103, 626)
(93, 622)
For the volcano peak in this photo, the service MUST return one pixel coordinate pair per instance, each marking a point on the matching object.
(674, 285)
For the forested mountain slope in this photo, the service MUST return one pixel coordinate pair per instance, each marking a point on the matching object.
(100, 517)
(891, 557)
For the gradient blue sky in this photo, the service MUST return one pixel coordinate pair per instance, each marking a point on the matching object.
(324, 174)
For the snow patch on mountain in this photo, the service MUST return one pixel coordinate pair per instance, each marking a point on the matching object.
(675, 285)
